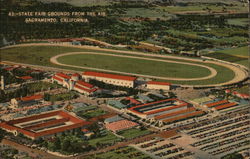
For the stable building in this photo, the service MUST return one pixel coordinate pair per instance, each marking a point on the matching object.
(118, 80)
(44, 125)
(158, 85)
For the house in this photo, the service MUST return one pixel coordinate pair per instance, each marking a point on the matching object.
(118, 80)
(26, 101)
(158, 85)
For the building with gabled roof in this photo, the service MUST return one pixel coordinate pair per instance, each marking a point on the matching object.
(119, 80)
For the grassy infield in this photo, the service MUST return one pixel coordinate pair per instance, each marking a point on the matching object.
(40, 55)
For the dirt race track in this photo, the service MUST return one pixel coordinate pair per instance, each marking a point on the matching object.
(240, 73)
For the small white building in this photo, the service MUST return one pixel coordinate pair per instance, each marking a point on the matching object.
(158, 85)
(118, 80)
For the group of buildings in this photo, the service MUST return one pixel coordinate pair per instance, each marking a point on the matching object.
(79, 82)
(44, 125)
(165, 111)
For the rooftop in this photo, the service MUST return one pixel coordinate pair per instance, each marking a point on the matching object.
(44, 124)
(113, 76)
(120, 125)
(30, 98)
(25, 77)
(63, 75)
(159, 83)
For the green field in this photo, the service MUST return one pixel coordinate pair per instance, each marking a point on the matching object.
(133, 133)
(108, 139)
(238, 21)
(145, 67)
(235, 55)
(40, 55)
(121, 153)
(92, 113)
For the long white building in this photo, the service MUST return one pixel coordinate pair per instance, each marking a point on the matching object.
(119, 80)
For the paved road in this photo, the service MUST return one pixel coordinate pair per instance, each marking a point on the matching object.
(240, 74)
(36, 154)
(213, 72)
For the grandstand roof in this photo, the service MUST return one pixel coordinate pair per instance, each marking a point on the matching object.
(158, 83)
(112, 76)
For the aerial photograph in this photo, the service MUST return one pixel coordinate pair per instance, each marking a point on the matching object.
(124, 79)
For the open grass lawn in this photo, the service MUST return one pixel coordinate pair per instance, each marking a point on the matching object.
(121, 153)
(244, 89)
(133, 133)
(40, 55)
(241, 51)
(235, 55)
(145, 67)
(107, 139)
(92, 113)
(238, 21)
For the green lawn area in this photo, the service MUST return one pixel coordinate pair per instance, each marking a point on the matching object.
(241, 51)
(236, 55)
(91, 113)
(121, 153)
(238, 21)
(38, 86)
(107, 139)
(244, 89)
(133, 133)
(145, 67)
